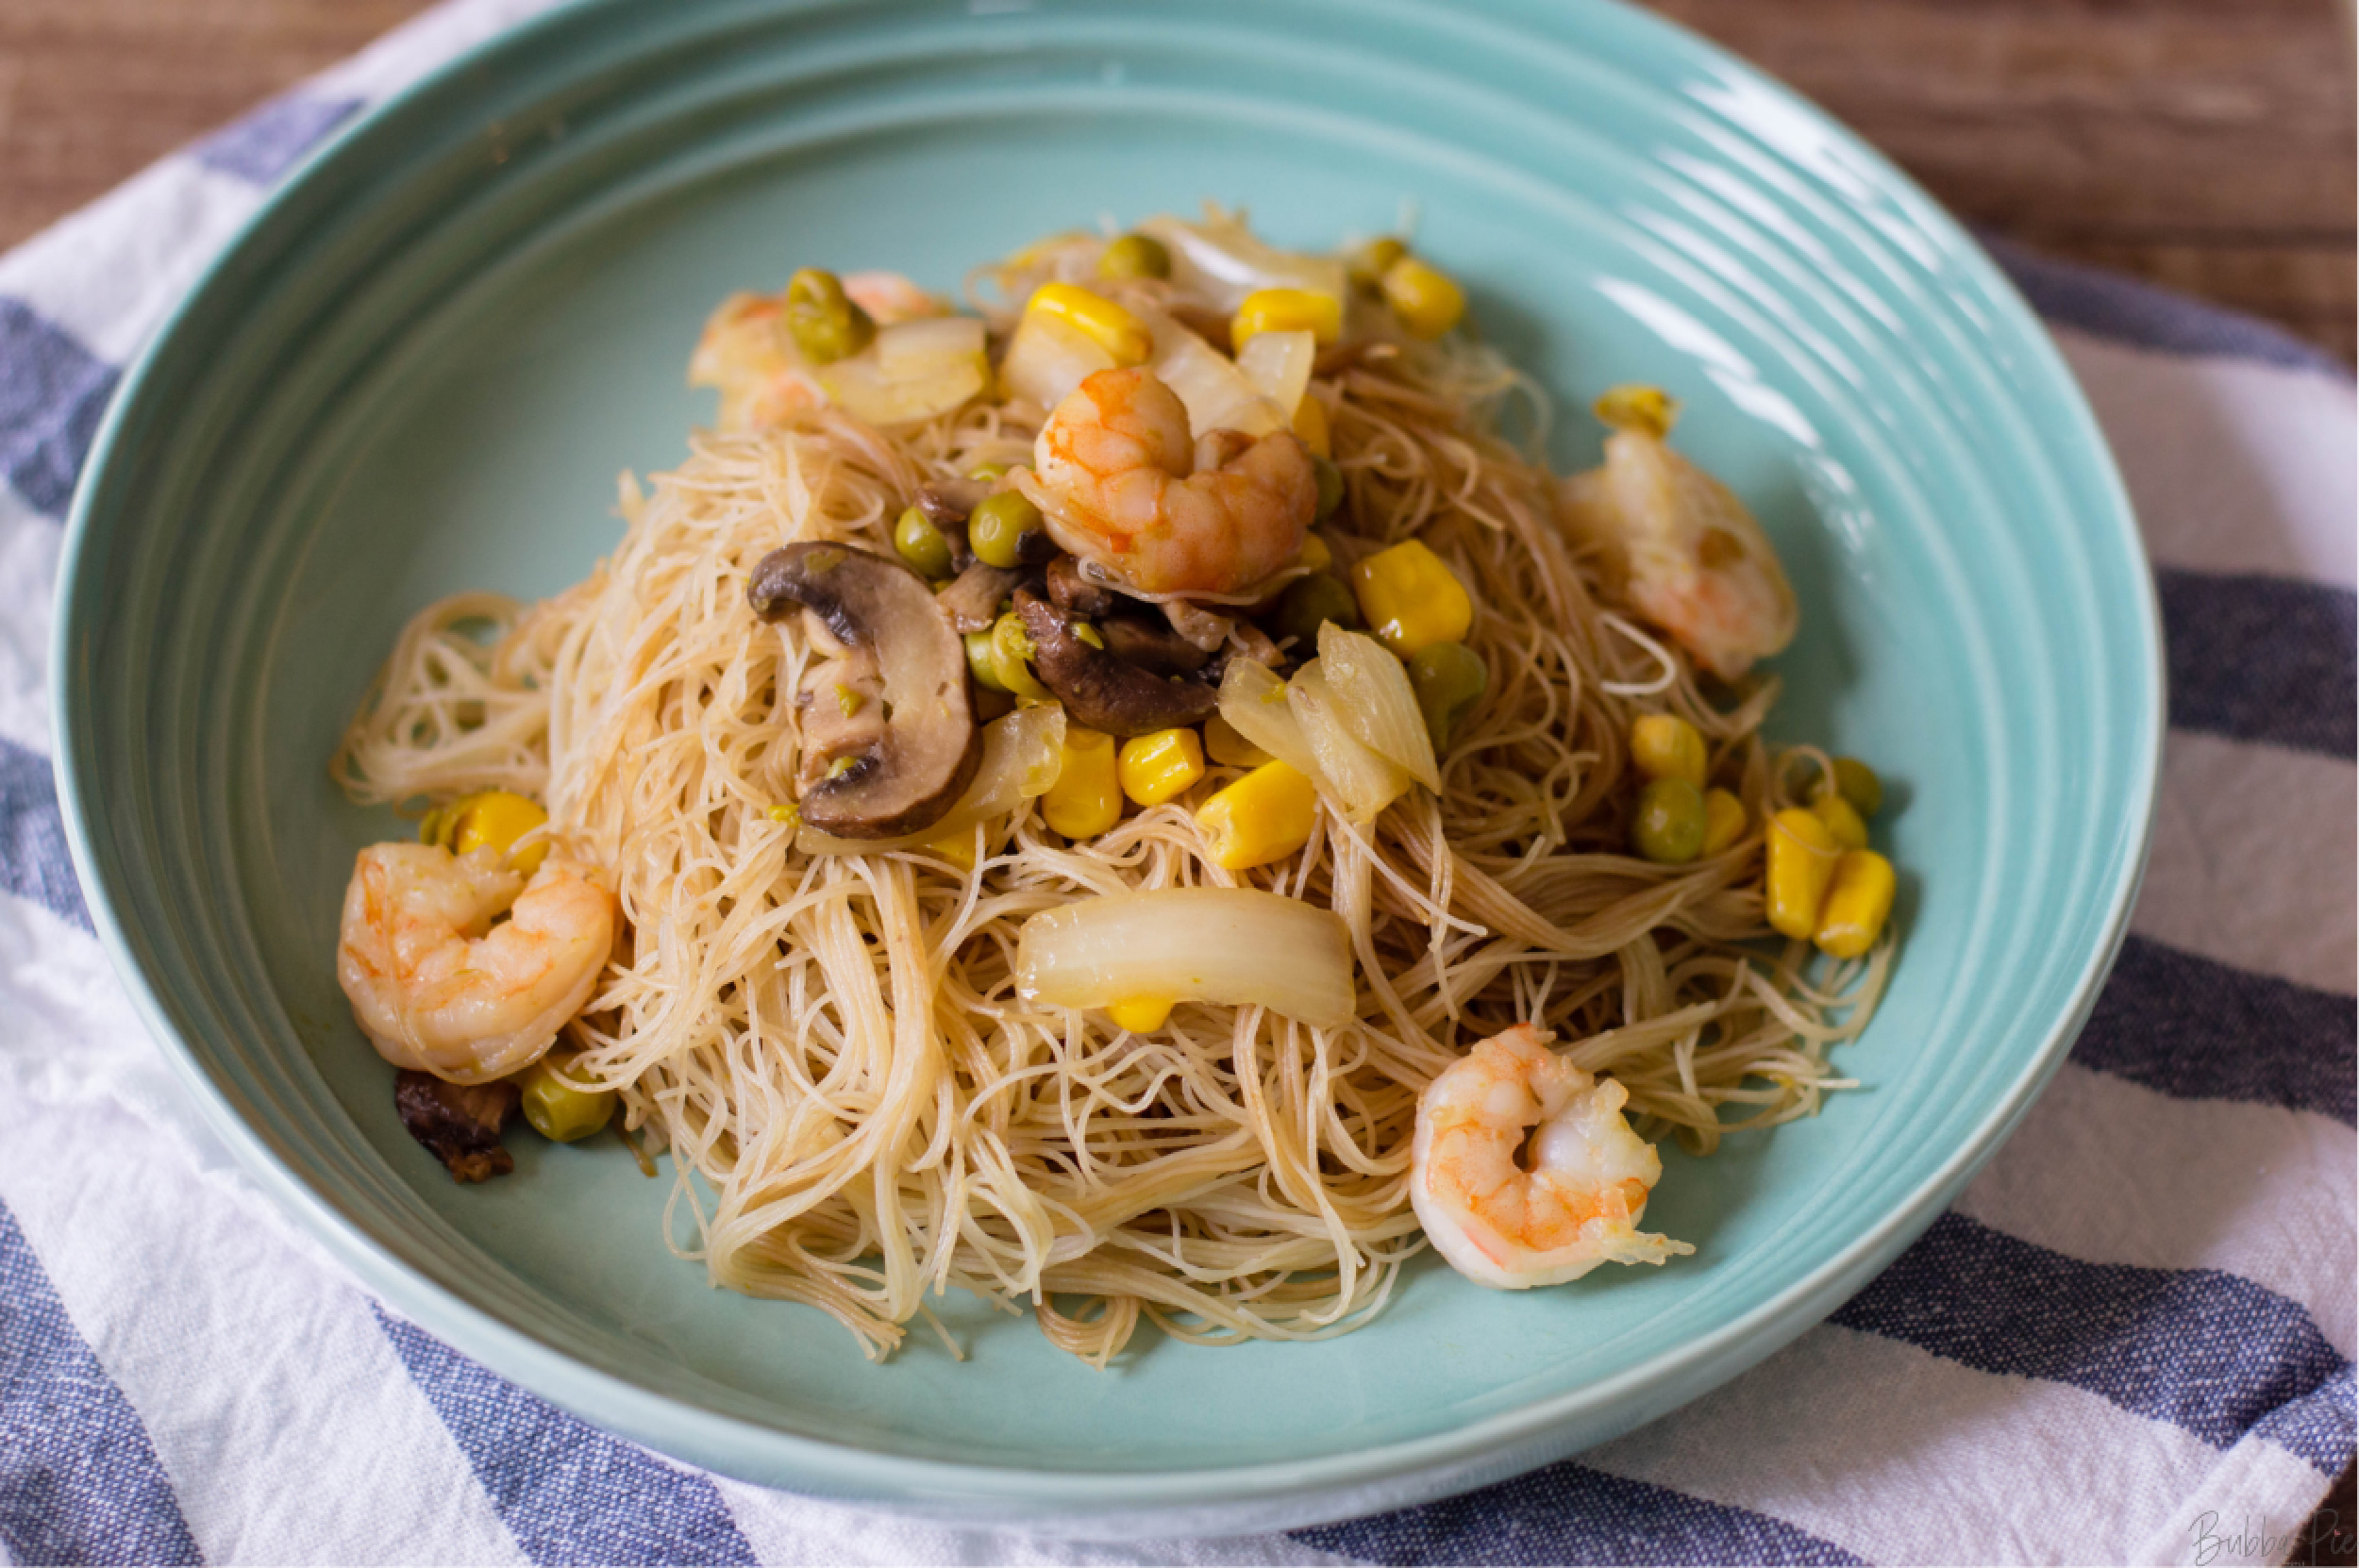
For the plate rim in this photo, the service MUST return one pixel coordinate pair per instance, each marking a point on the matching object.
(1320, 1487)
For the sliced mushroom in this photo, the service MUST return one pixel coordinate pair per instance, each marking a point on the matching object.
(905, 775)
(1075, 592)
(1101, 690)
(842, 712)
(972, 601)
(1148, 642)
(1200, 626)
(459, 1122)
(950, 501)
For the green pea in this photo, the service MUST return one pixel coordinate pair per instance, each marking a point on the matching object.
(825, 325)
(1135, 256)
(1330, 486)
(1367, 265)
(558, 1107)
(1669, 827)
(921, 545)
(996, 529)
(982, 661)
(1308, 604)
(1449, 679)
(1856, 782)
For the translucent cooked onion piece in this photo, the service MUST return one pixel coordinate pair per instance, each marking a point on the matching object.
(1221, 262)
(912, 371)
(1361, 781)
(1047, 358)
(1375, 702)
(1021, 752)
(920, 346)
(1236, 946)
(1278, 366)
(1208, 383)
(1253, 700)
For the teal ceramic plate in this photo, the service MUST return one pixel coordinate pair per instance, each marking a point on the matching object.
(424, 362)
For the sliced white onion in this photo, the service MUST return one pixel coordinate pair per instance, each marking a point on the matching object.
(1047, 358)
(1253, 700)
(1220, 261)
(1236, 946)
(1375, 702)
(1278, 366)
(1363, 782)
(923, 346)
(1023, 752)
(1217, 396)
(863, 388)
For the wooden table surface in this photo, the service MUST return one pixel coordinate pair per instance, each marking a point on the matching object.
(2203, 144)
(2207, 144)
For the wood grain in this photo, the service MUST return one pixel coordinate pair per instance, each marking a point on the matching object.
(2202, 143)
(2205, 145)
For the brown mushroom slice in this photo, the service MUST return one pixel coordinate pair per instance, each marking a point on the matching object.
(1102, 692)
(1148, 642)
(912, 770)
(972, 601)
(1073, 592)
(842, 709)
(946, 503)
(459, 1122)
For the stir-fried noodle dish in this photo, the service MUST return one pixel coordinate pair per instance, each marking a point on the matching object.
(1139, 795)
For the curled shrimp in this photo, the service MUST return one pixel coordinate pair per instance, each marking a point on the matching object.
(891, 298)
(1120, 483)
(1578, 1205)
(436, 986)
(1693, 560)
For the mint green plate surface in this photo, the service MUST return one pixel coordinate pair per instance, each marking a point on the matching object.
(424, 364)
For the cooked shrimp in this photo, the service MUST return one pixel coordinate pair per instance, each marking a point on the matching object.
(437, 987)
(1577, 1206)
(890, 298)
(1120, 483)
(744, 352)
(1695, 563)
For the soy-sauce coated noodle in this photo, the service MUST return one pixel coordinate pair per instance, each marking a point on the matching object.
(861, 1108)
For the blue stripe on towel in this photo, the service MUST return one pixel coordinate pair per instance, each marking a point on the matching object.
(1571, 1513)
(52, 392)
(33, 860)
(2207, 1351)
(79, 1480)
(2201, 1030)
(566, 1490)
(2318, 1426)
(2110, 305)
(267, 144)
(2262, 659)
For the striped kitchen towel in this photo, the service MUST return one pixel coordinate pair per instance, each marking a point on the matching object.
(2130, 1342)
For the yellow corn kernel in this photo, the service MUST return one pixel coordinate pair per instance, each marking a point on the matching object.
(1858, 903)
(495, 820)
(1410, 599)
(1724, 821)
(1086, 799)
(1316, 553)
(1265, 816)
(1426, 299)
(1097, 318)
(1310, 424)
(1162, 766)
(1287, 310)
(1140, 1014)
(1842, 819)
(1664, 745)
(1857, 783)
(1224, 745)
(1649, 411)
(958, 848)
(788, 814)
(1802, 855)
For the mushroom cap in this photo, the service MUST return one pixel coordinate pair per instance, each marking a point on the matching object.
(911, 774)
(1101, 689)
